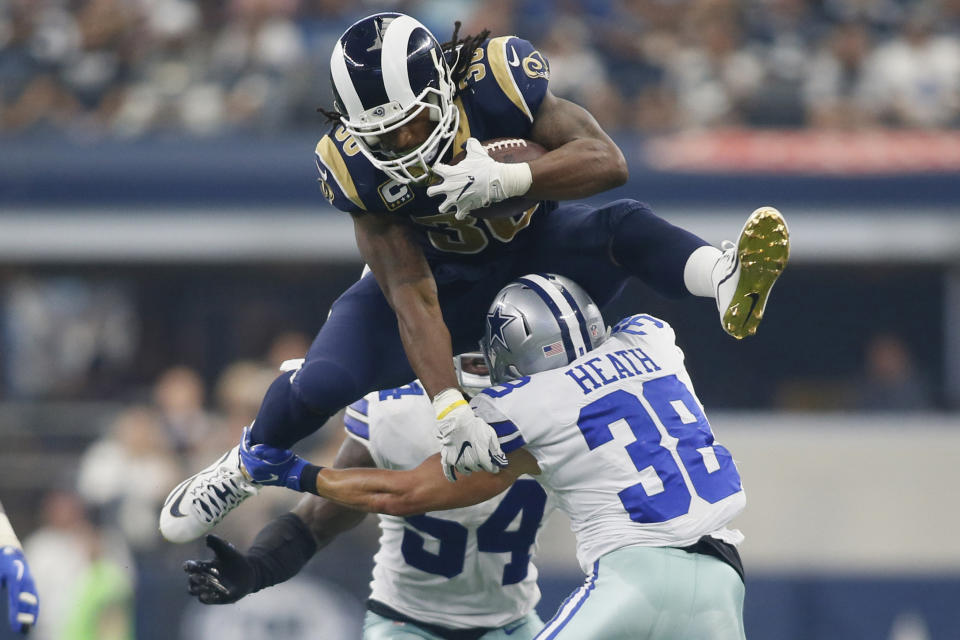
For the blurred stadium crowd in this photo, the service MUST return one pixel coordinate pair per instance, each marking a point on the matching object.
(87, 390)
(93, 69)
(93, 541)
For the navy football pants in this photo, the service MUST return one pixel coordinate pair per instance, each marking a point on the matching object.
(358, 349)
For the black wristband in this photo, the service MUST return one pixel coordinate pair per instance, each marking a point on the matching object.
(308, 478)
(280, 550)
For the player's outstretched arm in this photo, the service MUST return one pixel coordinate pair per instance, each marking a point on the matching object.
(16, 580)
(404, 276)
(401, 270)
(419, 490)
(582, 160)
(281, 549)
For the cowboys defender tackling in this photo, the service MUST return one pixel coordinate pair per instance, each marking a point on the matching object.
(630, 457)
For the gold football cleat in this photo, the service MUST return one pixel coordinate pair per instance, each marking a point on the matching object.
(748, 270)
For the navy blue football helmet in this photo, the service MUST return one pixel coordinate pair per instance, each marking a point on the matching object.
(385, 70)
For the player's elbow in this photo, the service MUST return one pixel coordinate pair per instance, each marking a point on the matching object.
(610, 167)
(617, 171)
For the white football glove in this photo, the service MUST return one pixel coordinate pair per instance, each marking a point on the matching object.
(468, 443)
(478, 181)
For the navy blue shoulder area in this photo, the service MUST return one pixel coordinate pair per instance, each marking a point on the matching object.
(350, 182)
(506, 82)
(346, 176)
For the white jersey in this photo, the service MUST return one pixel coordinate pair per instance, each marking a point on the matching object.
(461, 568)
(623, 443)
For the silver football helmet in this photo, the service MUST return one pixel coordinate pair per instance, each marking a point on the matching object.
(539, 322)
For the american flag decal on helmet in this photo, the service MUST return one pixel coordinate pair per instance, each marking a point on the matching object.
(553, 349)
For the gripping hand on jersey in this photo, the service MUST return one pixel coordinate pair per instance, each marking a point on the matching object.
(468, 443)
(478, 181)
(22, 600)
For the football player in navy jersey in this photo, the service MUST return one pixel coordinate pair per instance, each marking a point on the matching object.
(404, 106)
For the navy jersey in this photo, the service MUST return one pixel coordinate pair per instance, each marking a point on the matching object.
(498, 97)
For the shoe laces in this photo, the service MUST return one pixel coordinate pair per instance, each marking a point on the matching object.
(218, 496)
(726, 260)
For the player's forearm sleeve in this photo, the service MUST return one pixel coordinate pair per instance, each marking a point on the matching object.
(280, 550)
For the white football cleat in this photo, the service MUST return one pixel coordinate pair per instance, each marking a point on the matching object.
(198, 503)
(745, 273)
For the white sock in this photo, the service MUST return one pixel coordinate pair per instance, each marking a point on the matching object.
(698, 272)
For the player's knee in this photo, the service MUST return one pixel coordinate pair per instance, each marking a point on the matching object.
(634, 213)
(324, 386)
(629, 223)
(628, 207)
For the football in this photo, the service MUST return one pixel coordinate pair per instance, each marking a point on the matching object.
(508, 150)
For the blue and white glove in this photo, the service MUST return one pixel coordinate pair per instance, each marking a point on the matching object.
(468, 443)
(271, 466)
(22, 600)
(478, 181)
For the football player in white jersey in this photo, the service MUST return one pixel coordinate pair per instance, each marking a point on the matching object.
(610, 424)
(462, 574)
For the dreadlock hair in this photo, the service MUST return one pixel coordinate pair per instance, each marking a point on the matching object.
(332, 115)
(463, 49)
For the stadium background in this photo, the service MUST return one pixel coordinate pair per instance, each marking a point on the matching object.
(164, 245)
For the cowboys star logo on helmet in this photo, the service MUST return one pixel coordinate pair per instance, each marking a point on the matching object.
(496, 323)
(557, 317)
(386, 70)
